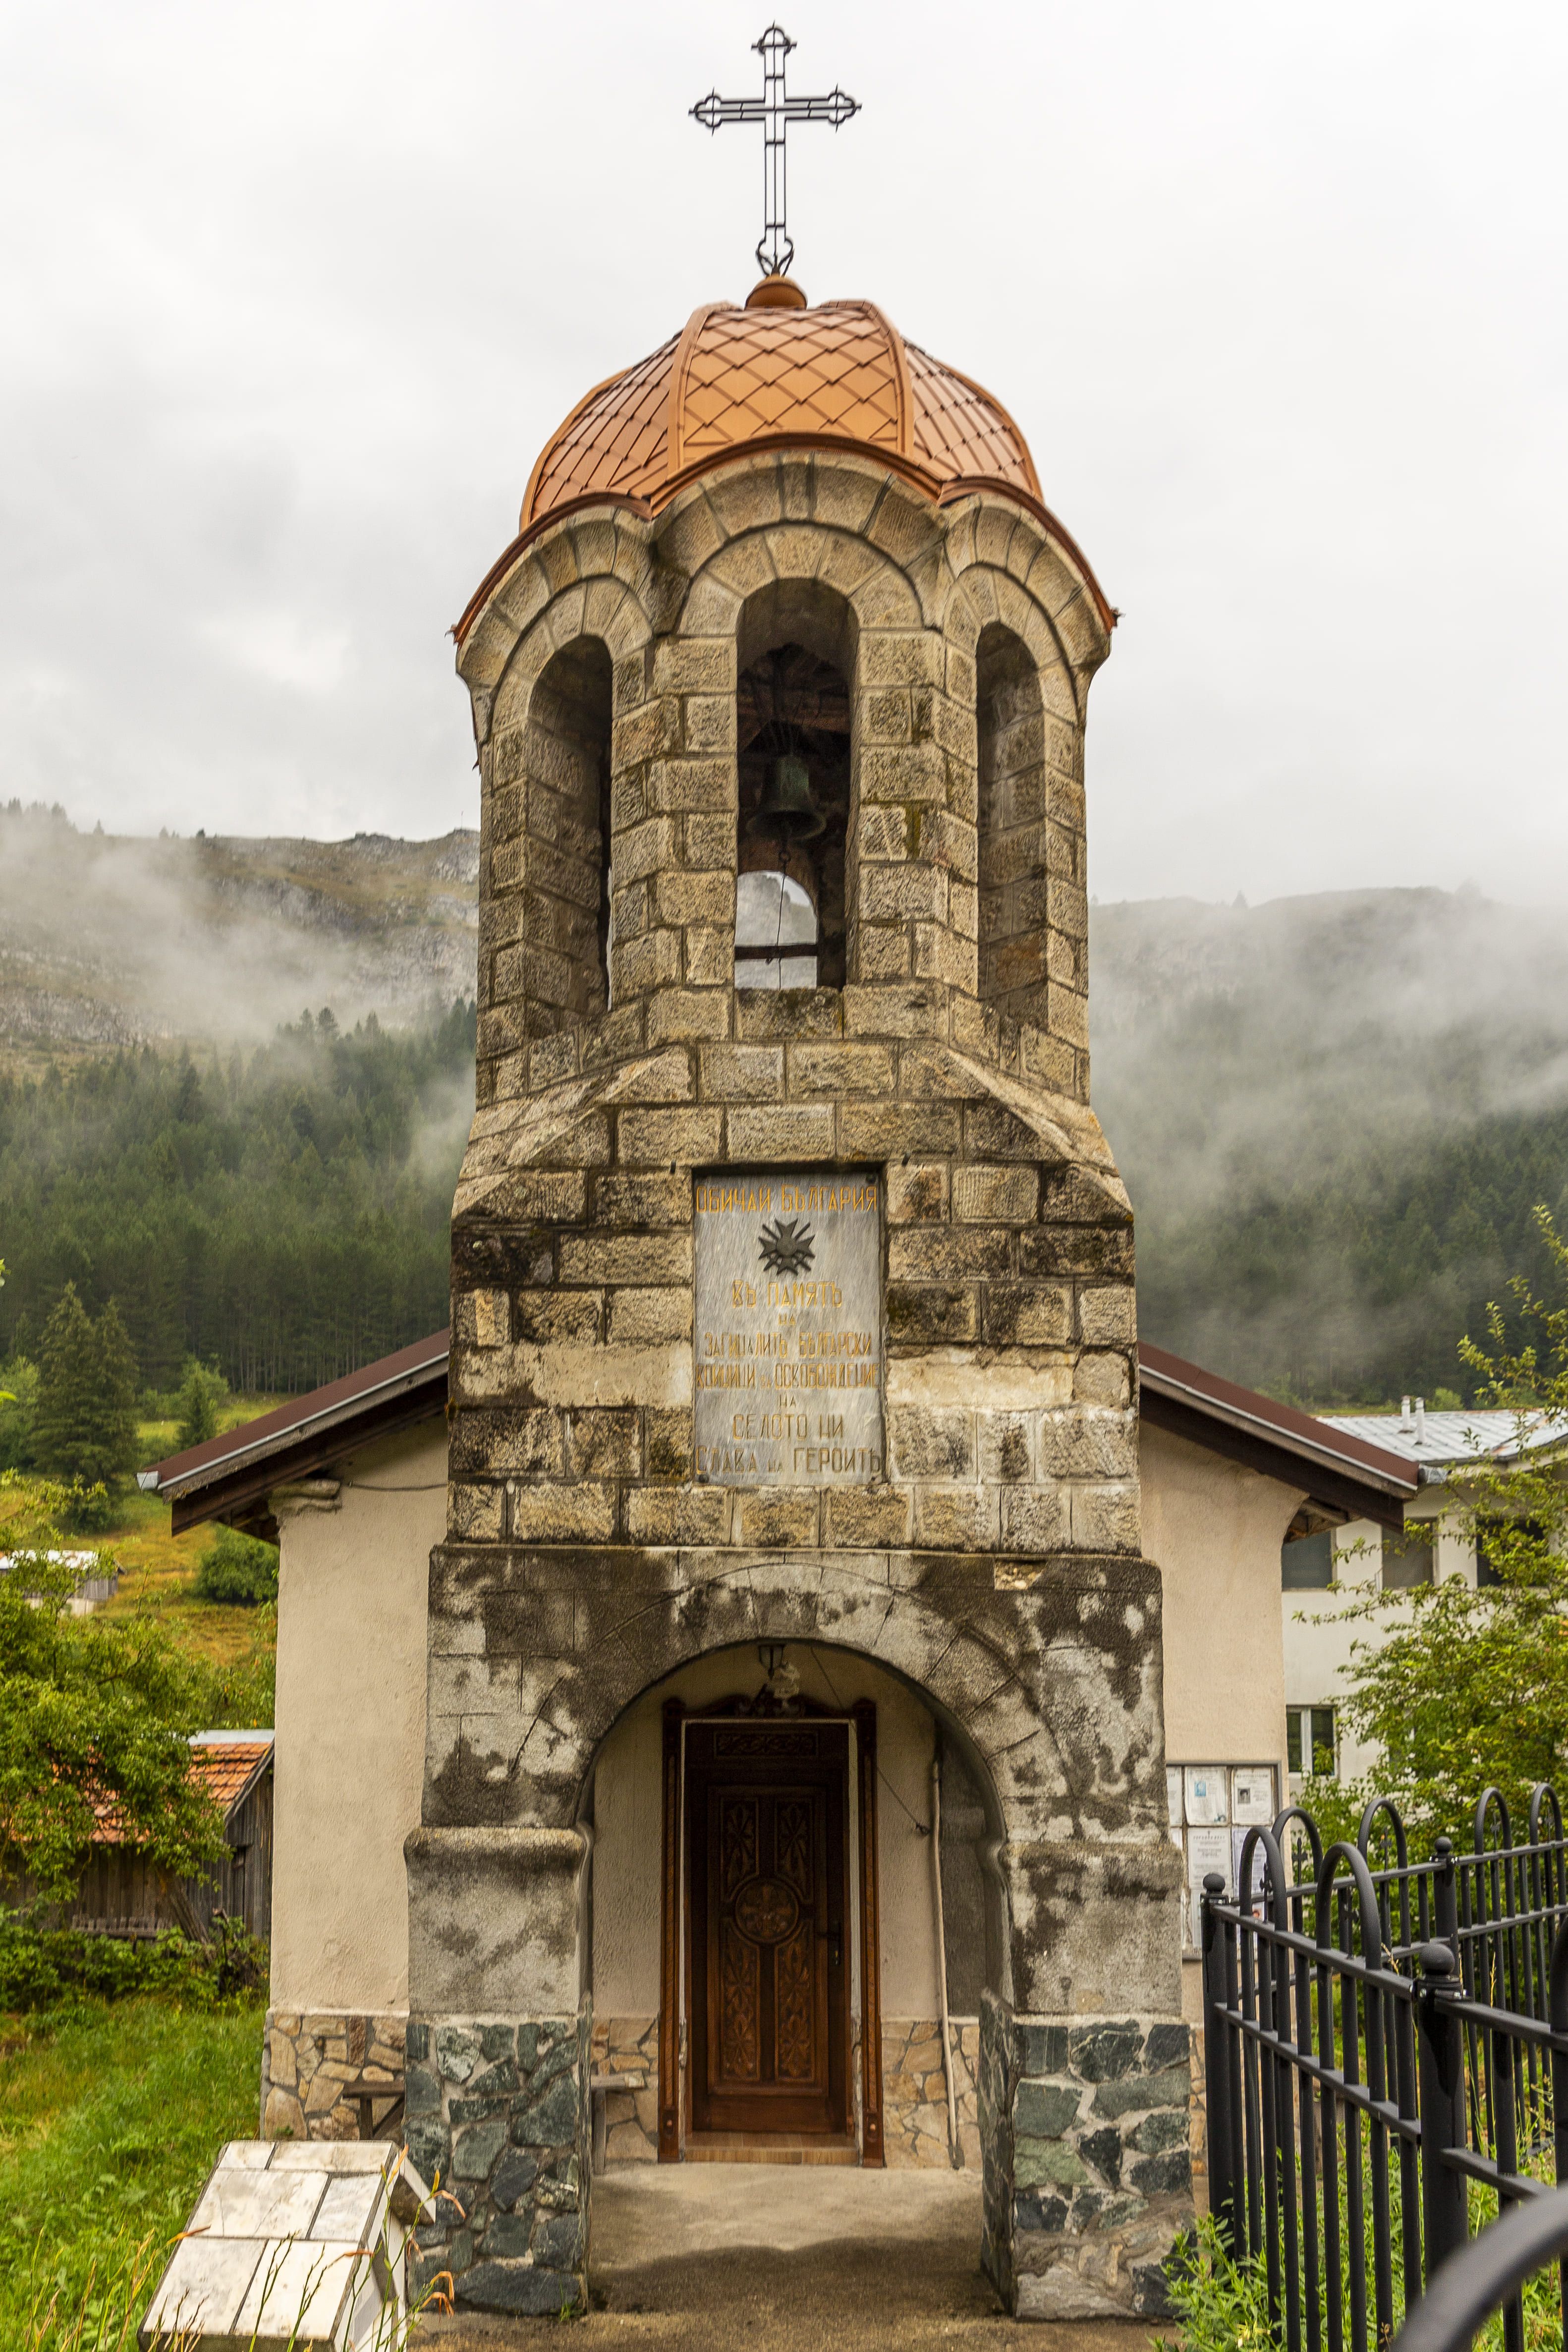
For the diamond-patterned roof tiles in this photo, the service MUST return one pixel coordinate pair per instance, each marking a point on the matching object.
(737, 378)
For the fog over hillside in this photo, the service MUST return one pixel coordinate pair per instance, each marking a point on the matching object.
(1334, 1113)
(109, 939)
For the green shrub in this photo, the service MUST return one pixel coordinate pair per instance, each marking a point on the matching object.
(89, 1510)
(45, 1968)
(1223, 2305)
(94, 1711)
(237, 1569)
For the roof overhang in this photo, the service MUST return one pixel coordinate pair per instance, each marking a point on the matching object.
(1340, 1475)
(231, 1477)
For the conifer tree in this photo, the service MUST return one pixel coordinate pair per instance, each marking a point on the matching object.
(84, 1423)
(117, 1393)
(199, 1406)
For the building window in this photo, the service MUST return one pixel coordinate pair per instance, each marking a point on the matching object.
(775, 932)
(1309, 1740)
(1307, 1563)
(1406, 1557)
(1497, 1549)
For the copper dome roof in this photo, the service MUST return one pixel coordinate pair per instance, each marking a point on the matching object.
(778, 374)
(775, 374)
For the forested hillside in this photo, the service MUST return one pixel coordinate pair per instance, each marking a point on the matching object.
(1335, 1114)
(282, 1214)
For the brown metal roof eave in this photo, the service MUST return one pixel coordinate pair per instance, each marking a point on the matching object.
(1345, 1494)
(240, 1497)
(1341, 1473)
(356, 1394)
(1303, 1428)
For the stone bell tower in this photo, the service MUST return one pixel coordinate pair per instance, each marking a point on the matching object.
(793, 1306)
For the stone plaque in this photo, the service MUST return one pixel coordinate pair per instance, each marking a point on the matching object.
(788, 1330)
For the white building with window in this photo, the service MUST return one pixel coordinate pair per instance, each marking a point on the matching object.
(1328, 1572)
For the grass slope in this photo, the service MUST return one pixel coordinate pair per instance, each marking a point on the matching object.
(111, 2118)
(158, 1569)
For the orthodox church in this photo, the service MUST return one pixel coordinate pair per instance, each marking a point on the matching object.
(726, 1703)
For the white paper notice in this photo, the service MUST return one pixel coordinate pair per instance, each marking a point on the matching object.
(1207, 1794)
(1252, 1793)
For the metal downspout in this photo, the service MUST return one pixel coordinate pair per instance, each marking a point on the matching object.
(955, 2152)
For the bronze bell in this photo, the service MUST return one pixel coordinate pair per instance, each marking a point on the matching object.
(786, 811)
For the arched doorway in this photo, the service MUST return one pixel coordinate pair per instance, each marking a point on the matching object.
(782, 1937)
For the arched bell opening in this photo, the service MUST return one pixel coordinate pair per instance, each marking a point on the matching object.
(794, 703)
(559, 854)
(728, 1964)
(1013, 828)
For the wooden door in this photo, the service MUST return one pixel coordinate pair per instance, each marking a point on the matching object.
(767, 1808)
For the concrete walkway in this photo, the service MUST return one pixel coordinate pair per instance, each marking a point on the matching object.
(782, 2258)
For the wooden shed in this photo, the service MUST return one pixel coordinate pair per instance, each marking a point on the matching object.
(123, 1892)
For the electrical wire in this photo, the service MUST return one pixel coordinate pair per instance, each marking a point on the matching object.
(922, 1828)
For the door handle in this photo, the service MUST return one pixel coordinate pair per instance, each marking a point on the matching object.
(835, 1946)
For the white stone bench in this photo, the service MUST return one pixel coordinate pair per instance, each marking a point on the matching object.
(293, 2241)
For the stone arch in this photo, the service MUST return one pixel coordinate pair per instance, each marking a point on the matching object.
(626, 1899)
(984, 597)
(829, 545)
(1007, 567)
(606, 558)
(581, 586)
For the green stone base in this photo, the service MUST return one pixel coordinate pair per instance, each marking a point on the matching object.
(497, 2118)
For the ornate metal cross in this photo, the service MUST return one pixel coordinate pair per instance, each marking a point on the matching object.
(775, 110)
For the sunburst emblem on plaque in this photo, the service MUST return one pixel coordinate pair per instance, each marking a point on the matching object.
(787, 1248)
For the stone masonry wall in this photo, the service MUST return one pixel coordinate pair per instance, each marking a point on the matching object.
(1007, 1231)
(1008, 1253)
(498, 2116)
(667, 599)
(914, 2093)
(1087, 2175)
(994, 1563)
(629, 2047)
(312, 2061)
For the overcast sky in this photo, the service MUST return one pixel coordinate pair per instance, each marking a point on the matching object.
(292, 294)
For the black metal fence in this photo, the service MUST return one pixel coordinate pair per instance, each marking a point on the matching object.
(1380, 2034)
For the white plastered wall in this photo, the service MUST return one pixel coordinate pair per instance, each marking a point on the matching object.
(1214, 1530)
(352, 1586)
(1318, 1632)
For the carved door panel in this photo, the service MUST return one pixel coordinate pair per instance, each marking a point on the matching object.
(766, 1815)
